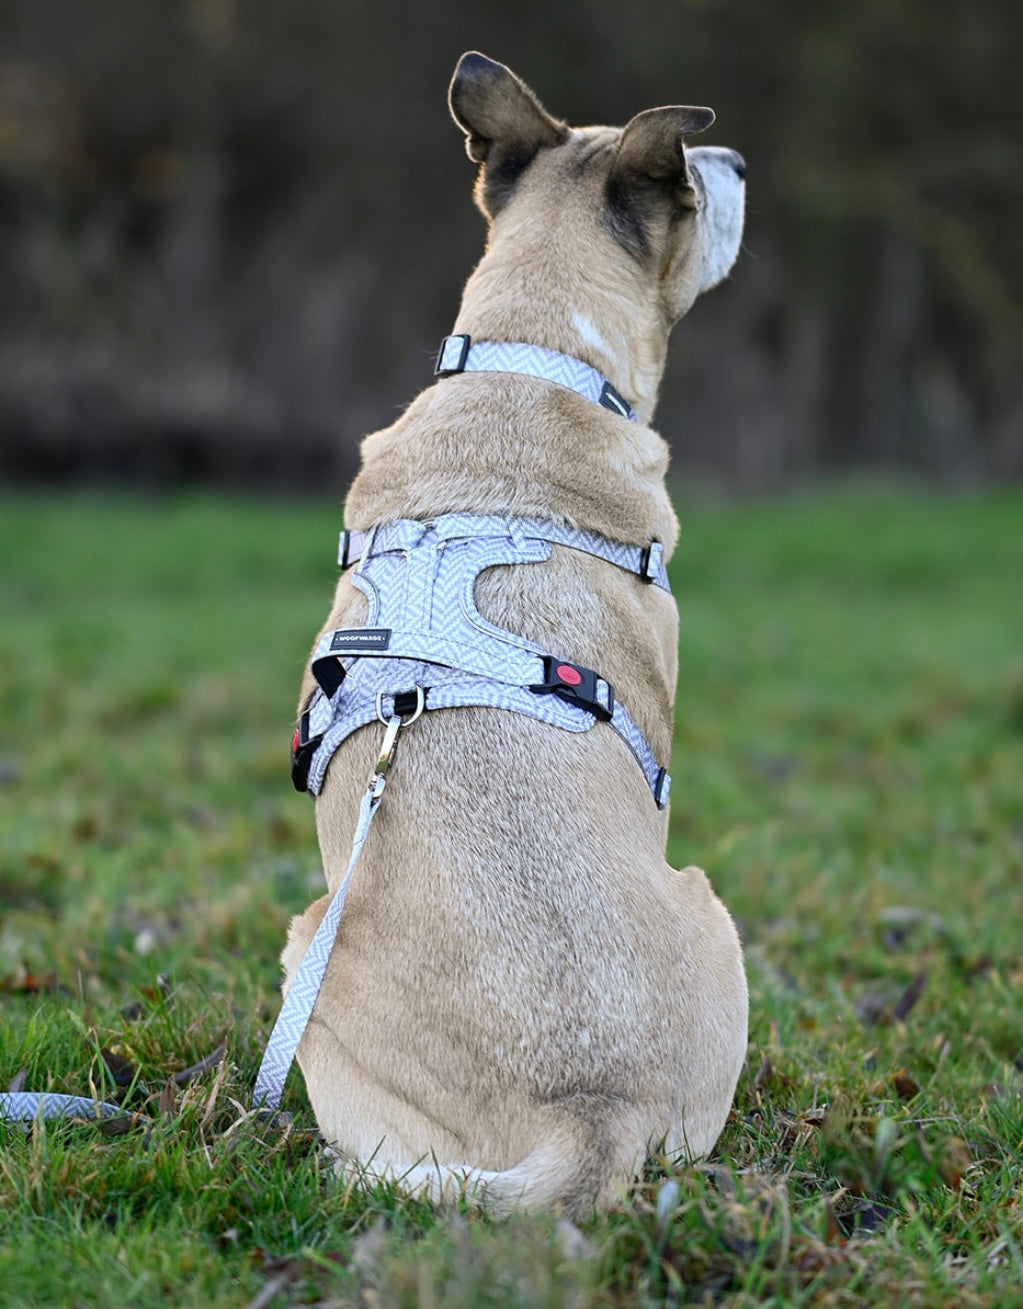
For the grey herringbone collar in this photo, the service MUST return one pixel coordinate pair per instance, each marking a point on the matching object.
(460, 354)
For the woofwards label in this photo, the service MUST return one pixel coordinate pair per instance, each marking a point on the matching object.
(360, 640)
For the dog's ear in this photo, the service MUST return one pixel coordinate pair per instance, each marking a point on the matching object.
(651, 145)
(504, 122)
(650, 167)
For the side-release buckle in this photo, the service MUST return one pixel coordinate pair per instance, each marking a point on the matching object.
(577, 685)
(303, 747)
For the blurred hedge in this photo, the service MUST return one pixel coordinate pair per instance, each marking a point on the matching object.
(233, 231)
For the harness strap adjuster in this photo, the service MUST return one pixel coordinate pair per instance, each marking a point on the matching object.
(578, 686)
(651, 561)
(611, 398)
(454, 351)
(303, 747)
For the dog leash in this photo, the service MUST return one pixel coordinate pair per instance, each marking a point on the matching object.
(305, 987)
(26, 1106)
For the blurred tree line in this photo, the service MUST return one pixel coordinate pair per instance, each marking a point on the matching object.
(232, 232)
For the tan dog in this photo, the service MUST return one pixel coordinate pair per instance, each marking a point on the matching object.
(524, 996)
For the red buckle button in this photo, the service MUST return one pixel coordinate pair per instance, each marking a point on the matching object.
(569, 675)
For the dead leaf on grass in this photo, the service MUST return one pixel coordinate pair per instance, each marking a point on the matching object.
(23, 981)
(872, 1008)
(168, 1100)
(203, 1066)
(811, 1258)
(907, 1001)
(833, 1232)
(867, 1218)
(120, 1125)
(122, 1070)
(955, 1160)
(905, 1087)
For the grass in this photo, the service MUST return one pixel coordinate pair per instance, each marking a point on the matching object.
(848, 767)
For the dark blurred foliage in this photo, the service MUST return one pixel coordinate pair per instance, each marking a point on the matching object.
(232, 232)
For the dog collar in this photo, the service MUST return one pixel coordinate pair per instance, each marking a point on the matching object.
(460, 354)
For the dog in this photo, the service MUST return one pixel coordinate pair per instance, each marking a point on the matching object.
(523, 997)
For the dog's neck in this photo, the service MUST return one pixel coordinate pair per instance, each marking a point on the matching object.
(490, 443)
(509, 298)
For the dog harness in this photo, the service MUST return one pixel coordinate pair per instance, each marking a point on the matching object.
(424, 631)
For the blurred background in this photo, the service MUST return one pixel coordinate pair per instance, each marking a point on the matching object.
(233, 232)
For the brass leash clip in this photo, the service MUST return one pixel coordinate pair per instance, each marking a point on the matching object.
(389, 745)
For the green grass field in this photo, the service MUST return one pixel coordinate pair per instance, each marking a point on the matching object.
(848, 768)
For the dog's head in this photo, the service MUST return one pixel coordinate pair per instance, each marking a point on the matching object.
(626, 218)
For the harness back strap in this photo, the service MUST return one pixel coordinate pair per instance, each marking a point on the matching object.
(645, 561)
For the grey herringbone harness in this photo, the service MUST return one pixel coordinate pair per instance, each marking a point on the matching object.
(424, 631)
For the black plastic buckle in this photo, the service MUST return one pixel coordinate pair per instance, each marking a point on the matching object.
(662, 788)
(303, 747)
(444, 368)
(576, 685)
(615, 401)
(650, 560)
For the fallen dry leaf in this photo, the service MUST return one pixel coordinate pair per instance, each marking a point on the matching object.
(168, 1100)
(122, 1070)
(907, 1001)
(905, 1087)
(24, 982)
(203, 1066)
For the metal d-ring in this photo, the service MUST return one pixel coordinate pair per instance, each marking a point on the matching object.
(404, 722)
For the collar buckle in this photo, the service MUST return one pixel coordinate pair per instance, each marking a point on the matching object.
(651, 561)
(452, 356)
